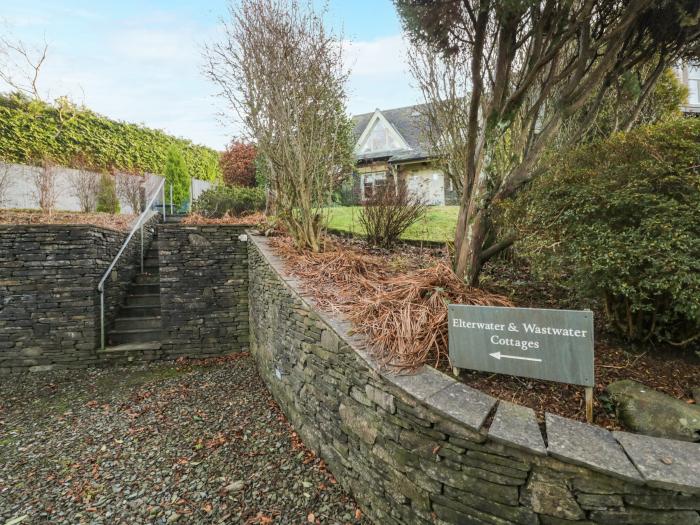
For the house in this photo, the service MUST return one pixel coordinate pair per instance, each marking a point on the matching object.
(389, 145)
(690, 76)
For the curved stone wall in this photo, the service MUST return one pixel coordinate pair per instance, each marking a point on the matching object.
(427, 449)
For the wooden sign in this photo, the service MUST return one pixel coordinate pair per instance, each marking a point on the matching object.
(556, 345)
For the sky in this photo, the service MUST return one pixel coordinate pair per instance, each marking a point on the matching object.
(141, 60)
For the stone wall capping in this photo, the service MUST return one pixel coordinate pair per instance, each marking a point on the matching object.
(517, 426)
(589, 446)
(464, 404)
(664, 463)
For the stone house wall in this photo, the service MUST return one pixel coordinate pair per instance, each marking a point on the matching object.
(49, 304)
(204, 290)
(425, 448)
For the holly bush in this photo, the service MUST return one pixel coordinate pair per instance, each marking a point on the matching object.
(619, 221)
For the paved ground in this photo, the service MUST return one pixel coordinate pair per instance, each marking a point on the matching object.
(187, 443)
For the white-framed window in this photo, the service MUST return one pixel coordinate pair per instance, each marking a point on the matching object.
(380, 137)
(693, 83)
(371, 182)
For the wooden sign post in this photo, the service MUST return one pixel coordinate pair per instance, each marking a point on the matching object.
(556, 345)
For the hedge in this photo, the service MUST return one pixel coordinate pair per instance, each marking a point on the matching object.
(31, 131)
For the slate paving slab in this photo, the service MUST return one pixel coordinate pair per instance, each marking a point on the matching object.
(664, 463)
(200, 442)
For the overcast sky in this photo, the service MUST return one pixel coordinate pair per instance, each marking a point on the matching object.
(141, 60)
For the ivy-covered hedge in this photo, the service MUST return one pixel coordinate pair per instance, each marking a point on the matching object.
(31, 131)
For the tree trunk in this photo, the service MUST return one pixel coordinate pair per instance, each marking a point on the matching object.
(472, 227)
(468, 258)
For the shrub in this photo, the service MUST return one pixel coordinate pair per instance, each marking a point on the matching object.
(388, 213)
(618, 220)
(177, 175)
(238, 164)
(107, 200)
(234, 200)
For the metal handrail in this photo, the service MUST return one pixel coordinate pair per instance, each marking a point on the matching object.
(138, 224)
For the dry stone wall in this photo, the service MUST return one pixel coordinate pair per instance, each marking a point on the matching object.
(427, 449)
(49, 305)
(204, 289)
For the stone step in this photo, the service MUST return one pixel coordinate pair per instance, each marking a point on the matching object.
(119, 337)
(139, 311)
(148, 278)
(126, 353)
(137, 323)
(144, 288)
(174, 218)
(151, 299)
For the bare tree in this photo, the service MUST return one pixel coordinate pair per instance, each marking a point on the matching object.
(20, 66)
(130, 189)
(45, 190)
(530, 67)
(5, 183)
(282, 73)
(85, 185)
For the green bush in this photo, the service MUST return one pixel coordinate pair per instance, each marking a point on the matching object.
(619, 221)
(234, 200)
(107, 200)
(176, 174)
(33, 130)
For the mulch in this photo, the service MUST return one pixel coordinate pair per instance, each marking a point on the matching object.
(191, 442)
(245, 220)
(393, 296)
(120, 222)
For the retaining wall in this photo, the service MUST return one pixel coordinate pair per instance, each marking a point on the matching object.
(49, 305)
(203, 289)
(427, 449)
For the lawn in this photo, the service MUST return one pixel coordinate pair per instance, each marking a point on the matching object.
(437, 225)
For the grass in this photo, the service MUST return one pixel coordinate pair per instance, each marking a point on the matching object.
(438, 224)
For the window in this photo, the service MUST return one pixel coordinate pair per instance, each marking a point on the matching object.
(694, 85)
(372, 181)
(380, 138)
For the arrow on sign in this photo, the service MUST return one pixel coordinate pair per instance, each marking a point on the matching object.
(499, 355)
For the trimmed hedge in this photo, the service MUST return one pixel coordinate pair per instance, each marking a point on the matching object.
(31, 131)
(618, 220)
(234, 200)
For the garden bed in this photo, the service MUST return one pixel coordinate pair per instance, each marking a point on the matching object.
(119, 222)
(352, 280)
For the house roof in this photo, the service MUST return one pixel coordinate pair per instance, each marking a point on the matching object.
(407, 122)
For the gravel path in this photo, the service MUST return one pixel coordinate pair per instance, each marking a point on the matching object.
(195, 442)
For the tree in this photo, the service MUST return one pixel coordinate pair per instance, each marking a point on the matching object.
(530, 67)
(107, 200)
(282, 73)
(130, 189)
(45, 188)
(85, 186)
(237, 164)
(5, 183)
(20, 66)
(176, 174)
